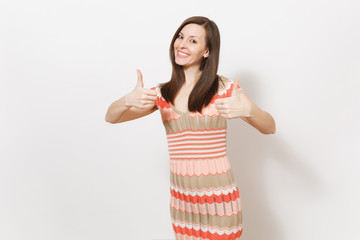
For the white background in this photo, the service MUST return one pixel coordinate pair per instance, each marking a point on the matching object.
(65, 173)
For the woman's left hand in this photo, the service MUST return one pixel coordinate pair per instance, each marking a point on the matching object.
(236, 106)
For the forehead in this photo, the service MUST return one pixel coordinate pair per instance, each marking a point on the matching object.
(193, 29)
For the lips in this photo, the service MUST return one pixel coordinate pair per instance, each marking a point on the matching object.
(182, 54)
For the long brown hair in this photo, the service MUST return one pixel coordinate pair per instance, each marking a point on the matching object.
(207, 85)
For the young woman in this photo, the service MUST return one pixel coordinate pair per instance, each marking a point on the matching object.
(194, 106)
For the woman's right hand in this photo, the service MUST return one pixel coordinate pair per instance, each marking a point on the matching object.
(140, 97)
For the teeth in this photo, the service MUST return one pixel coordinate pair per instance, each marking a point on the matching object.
(183, 54)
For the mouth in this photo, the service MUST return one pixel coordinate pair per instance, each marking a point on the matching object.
(182, 54)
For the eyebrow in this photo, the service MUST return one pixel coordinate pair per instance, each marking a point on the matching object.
(190, 36)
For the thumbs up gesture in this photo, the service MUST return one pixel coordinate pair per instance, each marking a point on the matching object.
(141, 97)
(236, 106)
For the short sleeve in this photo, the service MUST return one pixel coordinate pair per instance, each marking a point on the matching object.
(226, 90)
(157, 96)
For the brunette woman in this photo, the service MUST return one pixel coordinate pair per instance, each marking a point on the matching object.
(194, 106)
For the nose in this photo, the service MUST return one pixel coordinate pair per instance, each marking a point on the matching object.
(182, 44)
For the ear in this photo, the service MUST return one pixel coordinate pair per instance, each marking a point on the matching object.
(206, 54)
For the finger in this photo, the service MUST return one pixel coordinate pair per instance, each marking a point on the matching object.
(220, 101)
(235, 87)
(150, 92)
(147, 102)
(220, 106)
(143, 105)
(222, 111)
(223, 115)
(140, 83)
(149, 97)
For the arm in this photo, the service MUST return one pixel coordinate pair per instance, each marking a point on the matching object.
(239, 105)
(138, 103)
(119, 111)
(258, 118)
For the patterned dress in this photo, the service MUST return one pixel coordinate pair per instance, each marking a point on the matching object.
(205, 201)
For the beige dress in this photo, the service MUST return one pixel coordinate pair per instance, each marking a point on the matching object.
(205, 201)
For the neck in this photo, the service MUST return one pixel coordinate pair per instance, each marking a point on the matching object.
(192, 75)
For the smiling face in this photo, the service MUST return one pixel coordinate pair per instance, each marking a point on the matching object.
(190, 46)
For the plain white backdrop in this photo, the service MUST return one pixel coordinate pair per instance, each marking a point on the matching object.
(65, 173)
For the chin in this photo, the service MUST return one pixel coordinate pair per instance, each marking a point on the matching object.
(179, 63)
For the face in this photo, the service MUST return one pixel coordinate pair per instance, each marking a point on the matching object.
(190, 45)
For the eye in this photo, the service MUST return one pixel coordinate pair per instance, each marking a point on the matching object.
(193, 41)
(179, 36)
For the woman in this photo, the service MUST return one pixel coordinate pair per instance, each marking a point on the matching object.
(194, 105)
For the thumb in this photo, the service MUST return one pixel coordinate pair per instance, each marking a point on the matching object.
(140, 83)
(235, 87)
